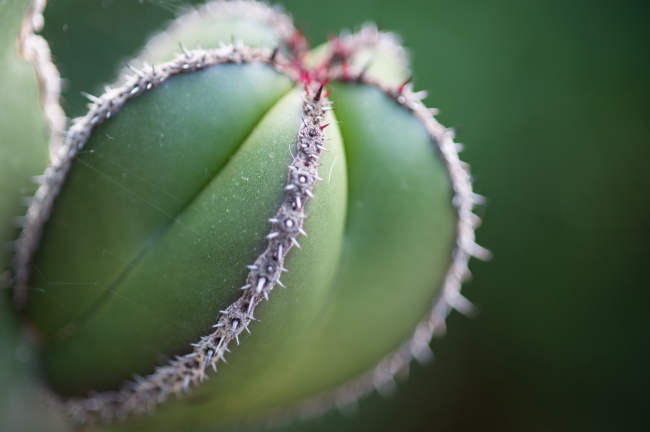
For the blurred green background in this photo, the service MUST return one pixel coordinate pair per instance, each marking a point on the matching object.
(552, 101)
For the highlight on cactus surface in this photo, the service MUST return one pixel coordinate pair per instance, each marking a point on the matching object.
(147, 262)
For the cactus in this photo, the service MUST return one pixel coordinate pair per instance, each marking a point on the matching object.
(193, 187)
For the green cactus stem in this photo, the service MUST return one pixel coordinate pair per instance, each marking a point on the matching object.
(180, 200)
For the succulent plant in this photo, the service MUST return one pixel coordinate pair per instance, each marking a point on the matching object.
(197, 184)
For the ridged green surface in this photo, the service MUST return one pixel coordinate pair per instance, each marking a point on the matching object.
(178, 188)
(313, 336)
(161, 239)
(244, 385)
(400, 229)
(168, 203)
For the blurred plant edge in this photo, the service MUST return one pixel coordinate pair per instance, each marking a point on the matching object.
(235, 22)
(35, 120)
(35, 49)
(22, 402)
(31, 128)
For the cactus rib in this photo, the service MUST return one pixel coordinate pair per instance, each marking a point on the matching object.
(382, 377)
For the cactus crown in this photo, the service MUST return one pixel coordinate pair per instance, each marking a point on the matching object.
(343, 62)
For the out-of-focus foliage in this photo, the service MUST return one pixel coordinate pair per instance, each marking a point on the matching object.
(22, 154)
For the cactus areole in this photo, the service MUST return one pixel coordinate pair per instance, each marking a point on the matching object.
(194, 187)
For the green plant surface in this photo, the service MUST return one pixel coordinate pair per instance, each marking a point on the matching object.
(325, 331)
(550, 99)
(145, 205)
(167, 288)
(412, 180)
